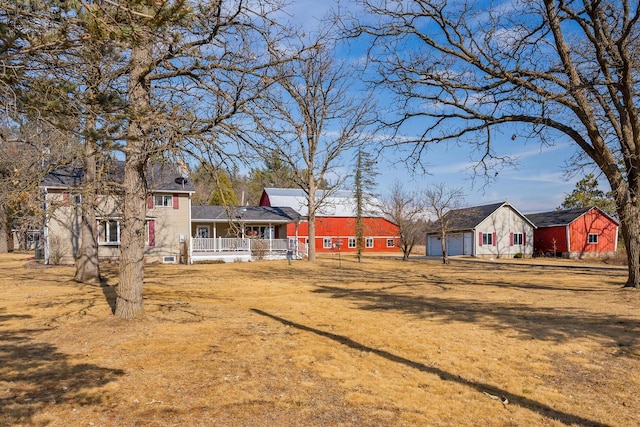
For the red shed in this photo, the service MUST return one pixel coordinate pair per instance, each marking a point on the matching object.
(335, 221)
(575, 233)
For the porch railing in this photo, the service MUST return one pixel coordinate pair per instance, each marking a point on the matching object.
(269, 246)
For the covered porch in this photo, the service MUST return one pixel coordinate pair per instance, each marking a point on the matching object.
(232, 234)
(245, 249)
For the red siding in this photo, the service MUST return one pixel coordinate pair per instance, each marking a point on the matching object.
(543, 239)
(264, 200)
(341, 228)
(593, 222)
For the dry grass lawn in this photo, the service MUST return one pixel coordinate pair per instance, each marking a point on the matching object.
(380, 343)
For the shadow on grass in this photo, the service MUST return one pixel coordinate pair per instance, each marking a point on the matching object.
(521, 401)
(543, 323)
(109, 295)
(36, 375)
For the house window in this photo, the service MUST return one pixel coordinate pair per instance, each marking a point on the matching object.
(202, 232)
(326, 243)
(517, 238)
(368, 242)
(352, 242)
(592, 238)
(109, 232)
(163, 200)
(391, 243)
(487, 239)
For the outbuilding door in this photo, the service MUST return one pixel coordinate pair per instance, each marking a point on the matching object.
(455, 243)
(467, 248)
(433, 246)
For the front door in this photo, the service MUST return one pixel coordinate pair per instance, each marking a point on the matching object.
(202, 231)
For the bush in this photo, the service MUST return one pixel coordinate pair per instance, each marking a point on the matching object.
(56, 251)
(259, 248)
(518, 255)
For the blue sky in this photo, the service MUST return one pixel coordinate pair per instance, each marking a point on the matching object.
(538, 182)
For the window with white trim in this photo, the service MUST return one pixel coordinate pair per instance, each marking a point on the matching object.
(352, 242)
(109, 232)
(368, 242)
(163, 200)
(592, 239)
(518, 238)
(326, 243)
(487, 239)
(391, 243)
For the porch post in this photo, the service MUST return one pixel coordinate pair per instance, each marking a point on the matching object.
(297, 241)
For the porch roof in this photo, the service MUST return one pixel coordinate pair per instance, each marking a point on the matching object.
(266, 214)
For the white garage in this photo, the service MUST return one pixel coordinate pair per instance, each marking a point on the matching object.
(495, 230)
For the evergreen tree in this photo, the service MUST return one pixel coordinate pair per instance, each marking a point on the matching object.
(364, 183)
(588, 194)
(223, 194)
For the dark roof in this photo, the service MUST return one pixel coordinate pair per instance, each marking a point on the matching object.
(243, 213)
(468, 218)
(63, 177)
(160, 176)
(560, 218)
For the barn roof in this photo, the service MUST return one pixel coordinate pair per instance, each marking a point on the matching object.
(160, 176)
(201, 213)
(336, 203)
(562, 217)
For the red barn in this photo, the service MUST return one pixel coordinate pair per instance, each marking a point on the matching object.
(575, 233)
(335, 221)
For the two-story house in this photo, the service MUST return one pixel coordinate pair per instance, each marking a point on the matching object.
(167, 222)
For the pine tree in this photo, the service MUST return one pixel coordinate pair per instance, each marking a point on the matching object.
(588, 194)
(364, 183)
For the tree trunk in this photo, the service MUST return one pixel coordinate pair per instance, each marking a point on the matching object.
(4, 230)
(129, 303)
(311, 222)
(443, 243)
(87, 265)
(630, 228)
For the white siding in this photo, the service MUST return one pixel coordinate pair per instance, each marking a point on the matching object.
(503, 222)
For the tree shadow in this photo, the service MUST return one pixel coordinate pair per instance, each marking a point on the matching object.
(543, 323)
(36, 375)
(109, 295)
(526, 403)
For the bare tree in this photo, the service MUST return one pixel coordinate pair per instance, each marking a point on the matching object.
(440, 200)
(28, 142)
(464, 70)
(191, 70)
(209, 54)
(406, 210)
(312, 117)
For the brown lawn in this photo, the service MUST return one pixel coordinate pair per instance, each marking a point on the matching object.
(380, 343)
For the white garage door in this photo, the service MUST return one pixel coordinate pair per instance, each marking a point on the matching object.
(433, 246)
(455, 244)
(468, 244)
